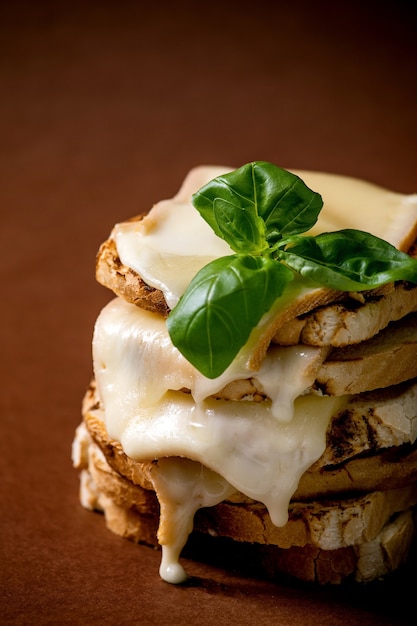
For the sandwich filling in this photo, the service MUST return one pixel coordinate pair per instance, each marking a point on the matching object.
(173, 242)
(206, 444)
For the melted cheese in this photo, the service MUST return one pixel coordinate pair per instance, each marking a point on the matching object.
(173, 242)
(352, 203)
(136, 341)
(259, 449)
(207, 448)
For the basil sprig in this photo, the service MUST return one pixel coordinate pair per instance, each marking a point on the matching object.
(261, 211)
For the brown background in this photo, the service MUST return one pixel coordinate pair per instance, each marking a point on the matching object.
(104, 107)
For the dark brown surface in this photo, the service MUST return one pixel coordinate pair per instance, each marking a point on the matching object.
(104, 107)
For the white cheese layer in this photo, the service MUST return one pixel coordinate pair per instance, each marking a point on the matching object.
(173, 242)
(146, 365)
(260, 449)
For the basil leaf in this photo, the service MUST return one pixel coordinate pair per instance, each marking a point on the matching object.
(348, 260)
(263, 190)
(222, 305)
(261, 211)
(286, 204)
(241, 226)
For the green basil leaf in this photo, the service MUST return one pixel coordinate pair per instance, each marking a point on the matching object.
(261, 211)
(348, 260)
(241, 226)
(281, 199)
(286, 204)
(222, 305)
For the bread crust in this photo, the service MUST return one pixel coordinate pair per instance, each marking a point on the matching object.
(386, 359)
(125, 282)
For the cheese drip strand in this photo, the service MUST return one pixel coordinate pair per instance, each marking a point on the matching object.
(258, 449)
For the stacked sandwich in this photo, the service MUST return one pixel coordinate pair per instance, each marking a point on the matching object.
(301, 444)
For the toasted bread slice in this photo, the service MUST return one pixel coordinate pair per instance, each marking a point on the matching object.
(388, 358)
(320, 316)
(325, 541)
(351, 319)
(370, 446)
(324, 318)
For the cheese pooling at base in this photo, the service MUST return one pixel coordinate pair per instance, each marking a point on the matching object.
(161, 408)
